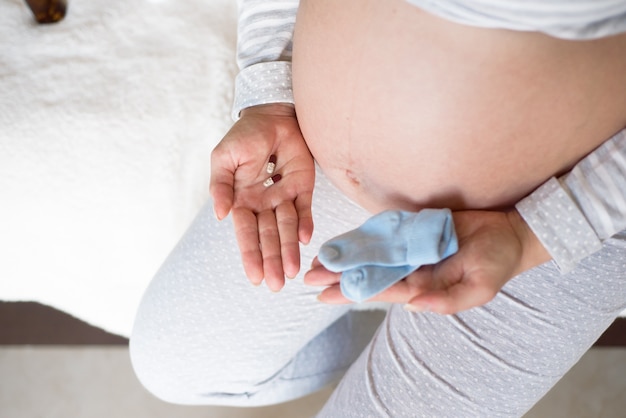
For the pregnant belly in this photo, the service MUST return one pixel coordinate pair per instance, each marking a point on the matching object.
(402, 109)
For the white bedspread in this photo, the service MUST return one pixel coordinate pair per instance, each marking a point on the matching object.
(107, 121)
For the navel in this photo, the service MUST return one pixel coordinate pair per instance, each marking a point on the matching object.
(354, 180)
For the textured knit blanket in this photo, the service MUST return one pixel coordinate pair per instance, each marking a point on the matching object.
(107, 121)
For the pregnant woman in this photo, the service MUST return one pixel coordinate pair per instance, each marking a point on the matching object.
(473, 106)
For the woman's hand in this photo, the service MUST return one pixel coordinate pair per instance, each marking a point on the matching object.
(493, 248)
(269, 221)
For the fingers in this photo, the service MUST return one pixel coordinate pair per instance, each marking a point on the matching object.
(305, 217)
(247, 234)
(269, 245)
(271, 250)
(333, 296)
(287, 221)
(319, 276)
(259, 237)
(221, 186)
(400, 292)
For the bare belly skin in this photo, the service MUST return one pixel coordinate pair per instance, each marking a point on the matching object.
(402, 109)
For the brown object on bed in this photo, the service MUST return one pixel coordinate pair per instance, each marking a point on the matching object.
(48, 11)
(37, 324)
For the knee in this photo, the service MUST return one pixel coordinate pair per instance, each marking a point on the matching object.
(155, 366)
(184, 369)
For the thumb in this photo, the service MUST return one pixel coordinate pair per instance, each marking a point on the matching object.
(222, 196)
(221, 186)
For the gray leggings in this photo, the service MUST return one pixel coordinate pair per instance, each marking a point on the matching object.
(204, 335)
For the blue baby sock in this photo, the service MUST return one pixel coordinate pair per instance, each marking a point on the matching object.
(362, 283)
(388, 247)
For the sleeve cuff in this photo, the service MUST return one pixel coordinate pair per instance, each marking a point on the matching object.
(262, 83)
(597, 184)
(559, 224)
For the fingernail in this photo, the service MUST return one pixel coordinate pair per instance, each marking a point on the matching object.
(416, 308)
(215, 213)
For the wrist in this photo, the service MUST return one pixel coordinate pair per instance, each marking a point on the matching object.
(533, 251)
(271, 109)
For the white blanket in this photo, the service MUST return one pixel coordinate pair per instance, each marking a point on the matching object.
(107, 121)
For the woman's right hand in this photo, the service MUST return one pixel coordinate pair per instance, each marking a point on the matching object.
(269, 221)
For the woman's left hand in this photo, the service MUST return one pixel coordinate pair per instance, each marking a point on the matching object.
(493, 248)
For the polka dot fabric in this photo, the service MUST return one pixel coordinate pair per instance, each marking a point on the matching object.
(572, 215)
(263, 83)
(494, 361)
(204, 335)
(558, 223)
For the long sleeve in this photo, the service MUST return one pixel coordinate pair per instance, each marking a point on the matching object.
(573, 214)
(567, 19)
(264, 45)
